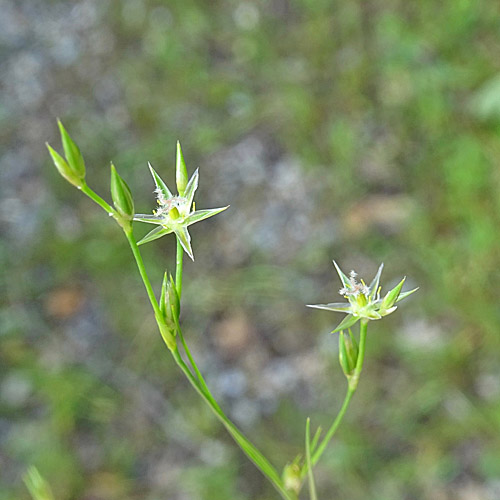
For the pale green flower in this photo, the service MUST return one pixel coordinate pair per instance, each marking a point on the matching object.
(175, 213)
(364, 301)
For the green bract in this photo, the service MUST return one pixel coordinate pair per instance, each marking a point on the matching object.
(175, 213)
(364, 301)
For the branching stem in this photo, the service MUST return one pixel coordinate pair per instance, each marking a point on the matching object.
(353, 384)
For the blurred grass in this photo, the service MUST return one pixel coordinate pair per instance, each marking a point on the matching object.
(360, 131)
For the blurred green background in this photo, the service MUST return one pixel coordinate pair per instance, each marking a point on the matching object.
(364, 131)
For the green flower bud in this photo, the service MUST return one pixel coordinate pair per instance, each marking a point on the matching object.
(181, 175)
(169, 302)
(72, 152)
(64, 169)
(167, 333)
(348, 353)
(121, 195)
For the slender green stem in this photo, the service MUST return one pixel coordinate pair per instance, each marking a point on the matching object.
(353, 384)
(95, 197)
(199, 384)
(363, 328)
(248, 448)
(333, 428)
(178, 283)
(142, 271)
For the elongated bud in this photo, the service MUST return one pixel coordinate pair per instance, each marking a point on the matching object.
(181, 175)
(72, 152)
(64, 169)
(169, 302)
(390, 299)
(37, 486)
(348, 353)
(121, 195)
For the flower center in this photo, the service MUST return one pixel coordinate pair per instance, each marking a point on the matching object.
(354, 289)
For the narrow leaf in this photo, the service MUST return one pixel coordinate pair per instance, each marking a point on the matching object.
(159, 183)
(315, 439)
(37, 485)
(156, 233)
(347, 322)
(200, 215)
(312, 486)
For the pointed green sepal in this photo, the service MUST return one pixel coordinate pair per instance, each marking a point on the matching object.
(156, 233)
(376, 282)
(150, 219)
(185, 240)
(159, 183)
(181, 175)
(72, 152)
(403, 295)
(64, 169)
(347, 322)
(121, 195)
(333, 306)
(343, 278)
(200, 215)
(191, 187)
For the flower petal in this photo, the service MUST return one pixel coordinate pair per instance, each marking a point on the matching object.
(203, 214)
(347, 322)
(159, 183)
(334, 306)
(185, 240)
(343, 278)
(156, 233)
(151, 219)
(191, 188)
(375, 283)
